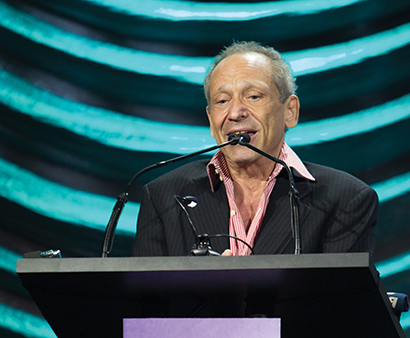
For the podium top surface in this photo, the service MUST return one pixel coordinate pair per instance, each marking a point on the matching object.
(285, 276)
(80, 296)
(192, 263)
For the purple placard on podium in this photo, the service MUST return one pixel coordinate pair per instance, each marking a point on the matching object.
(202, 327)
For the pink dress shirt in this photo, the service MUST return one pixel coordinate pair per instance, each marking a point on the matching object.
(218, 166)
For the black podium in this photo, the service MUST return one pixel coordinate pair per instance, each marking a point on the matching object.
(315, 295)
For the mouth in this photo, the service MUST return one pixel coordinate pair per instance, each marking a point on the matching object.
(251, 133)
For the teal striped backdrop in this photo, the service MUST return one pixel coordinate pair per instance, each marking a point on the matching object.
(92, 91)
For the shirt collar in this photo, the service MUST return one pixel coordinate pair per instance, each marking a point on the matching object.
(293, 161)
(217, 167)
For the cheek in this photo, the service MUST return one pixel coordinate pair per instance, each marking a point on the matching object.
(269, 117)
(213, 129)
(273, 124)
(211, 125)
(216, 118)
(214, 125)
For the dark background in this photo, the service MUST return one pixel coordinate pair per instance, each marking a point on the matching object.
(91, 93)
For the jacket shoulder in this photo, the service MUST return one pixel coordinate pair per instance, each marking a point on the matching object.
(188, 172)
(330, 177)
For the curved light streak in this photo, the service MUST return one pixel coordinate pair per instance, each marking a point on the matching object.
(405, 320)
(78, 207)
(393, 187)
(348, 53)
(85, 209)
(190, 69)
(24, 323)
(57, 201)
(394, 265)
(54, 200)
(305, 62)
(81, 208)
(15, 320)
(366, 120)
(30, 325)
(133, 133)
(193, 69)
(192, 11)
(104, 126)
(8, 260)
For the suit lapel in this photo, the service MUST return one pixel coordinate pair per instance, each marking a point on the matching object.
(275, 236)
(211, 216)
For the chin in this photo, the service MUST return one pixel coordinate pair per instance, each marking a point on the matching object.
(242, 156)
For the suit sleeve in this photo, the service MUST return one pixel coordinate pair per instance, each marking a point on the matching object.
(352, 229)
(150, 237)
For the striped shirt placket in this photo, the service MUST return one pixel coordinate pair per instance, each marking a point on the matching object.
(236, 225)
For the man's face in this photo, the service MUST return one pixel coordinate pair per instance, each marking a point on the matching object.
(244, 98)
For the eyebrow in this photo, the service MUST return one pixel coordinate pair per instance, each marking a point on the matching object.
(247, 85)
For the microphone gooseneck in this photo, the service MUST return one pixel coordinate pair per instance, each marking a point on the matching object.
(182, 201)
(294, 201)
(123, 197)
(202, 245)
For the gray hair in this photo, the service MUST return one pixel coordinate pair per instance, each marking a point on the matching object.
(283, 79)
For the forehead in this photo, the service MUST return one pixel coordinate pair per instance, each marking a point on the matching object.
(250, 58)
(247, 67)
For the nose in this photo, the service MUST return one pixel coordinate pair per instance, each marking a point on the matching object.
(237, 111)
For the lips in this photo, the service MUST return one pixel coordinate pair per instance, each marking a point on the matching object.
(247, 131)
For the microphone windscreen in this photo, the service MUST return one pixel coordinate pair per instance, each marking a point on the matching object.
(234, 138)
(244, 137)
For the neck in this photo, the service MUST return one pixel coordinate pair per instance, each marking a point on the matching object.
(249, 174)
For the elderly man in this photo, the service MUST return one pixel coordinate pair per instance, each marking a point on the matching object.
(241, 193)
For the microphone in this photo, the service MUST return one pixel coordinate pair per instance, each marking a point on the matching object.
(123, 197)
(237, 138)
(202, 245)
(294, 201)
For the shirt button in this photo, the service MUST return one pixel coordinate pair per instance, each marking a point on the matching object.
(233, 213)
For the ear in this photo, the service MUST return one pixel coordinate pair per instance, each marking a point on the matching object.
(208, 113)
(291, 111)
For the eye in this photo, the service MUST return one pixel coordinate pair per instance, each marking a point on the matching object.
(254, 96)
(221, 101)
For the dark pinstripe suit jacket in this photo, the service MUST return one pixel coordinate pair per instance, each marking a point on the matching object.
(338, 214)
